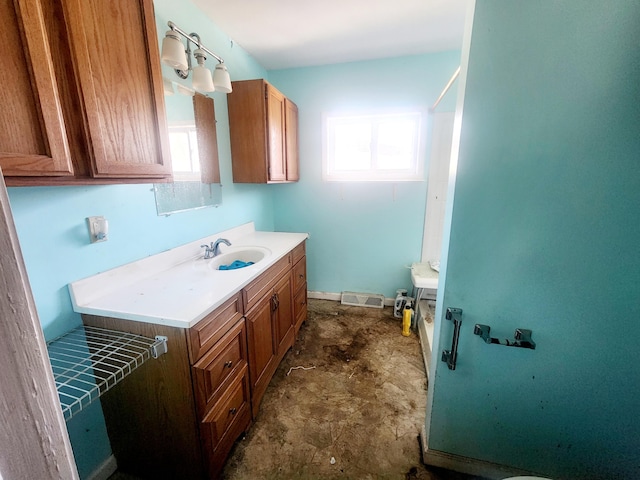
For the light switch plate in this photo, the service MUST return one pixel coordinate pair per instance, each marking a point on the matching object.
(98, 229)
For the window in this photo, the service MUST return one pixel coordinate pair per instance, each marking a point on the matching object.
(183, 143)
(382, 147)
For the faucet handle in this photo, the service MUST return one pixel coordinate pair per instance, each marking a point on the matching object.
(208, 250)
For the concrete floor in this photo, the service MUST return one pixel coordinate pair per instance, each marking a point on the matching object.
(348, 401)
(354, 411)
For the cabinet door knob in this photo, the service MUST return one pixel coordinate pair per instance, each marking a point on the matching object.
(233, 411)
(228, 364)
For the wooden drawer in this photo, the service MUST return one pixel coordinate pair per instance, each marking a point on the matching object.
(298, 252)
(217, 368)
(261, 285)
(300, 307)
(230, 416)
(299, 274)
(210, 329)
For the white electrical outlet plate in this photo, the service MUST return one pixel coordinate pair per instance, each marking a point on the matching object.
(98, 229)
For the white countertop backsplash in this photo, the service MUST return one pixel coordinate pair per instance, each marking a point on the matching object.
(176, 288)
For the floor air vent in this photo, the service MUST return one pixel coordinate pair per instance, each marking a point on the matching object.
(362, 299)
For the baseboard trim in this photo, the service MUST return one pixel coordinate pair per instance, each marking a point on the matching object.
(388, 302)
(424, 344)
(324, 295)
(105, 470)
(470, 466)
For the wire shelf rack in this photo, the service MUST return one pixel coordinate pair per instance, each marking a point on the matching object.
(88, 361)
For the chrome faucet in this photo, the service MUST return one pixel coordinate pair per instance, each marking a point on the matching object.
(213, 250)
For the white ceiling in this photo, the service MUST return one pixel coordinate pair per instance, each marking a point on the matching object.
(296, 33)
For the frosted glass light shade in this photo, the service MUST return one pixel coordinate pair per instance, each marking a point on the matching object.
(173, 53)
(221, 79)
(202, 81)
(168, 87)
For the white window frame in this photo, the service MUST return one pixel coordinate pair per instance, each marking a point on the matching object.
(188, 130)
(375, 173)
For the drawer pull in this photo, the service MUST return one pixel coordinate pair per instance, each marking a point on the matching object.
(228, 364)
(301, 276)
(233, 411)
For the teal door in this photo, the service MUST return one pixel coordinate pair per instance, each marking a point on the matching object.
(544, 235)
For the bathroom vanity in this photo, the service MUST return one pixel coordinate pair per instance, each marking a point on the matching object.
(179, 415)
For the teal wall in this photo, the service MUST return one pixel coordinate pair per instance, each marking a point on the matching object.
(363, 235)
(55, 242)
(545, 235)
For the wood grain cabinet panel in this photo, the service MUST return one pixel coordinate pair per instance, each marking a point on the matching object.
(291, 140)
(276, 159)
(231, 406)
(33, 134)
(171, 418)
(151, 415)
(299, 274)
(283, 316)
(87, 104)
(263, 128)
(205, 119)
(211, 328)
(227, 420)
(300, 307)
(218, 366)
(117, 63)
(262, 350)
(179, 415)
(298, 252)
(258, 288)
(270, 325)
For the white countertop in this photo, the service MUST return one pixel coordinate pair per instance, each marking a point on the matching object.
(177, 288)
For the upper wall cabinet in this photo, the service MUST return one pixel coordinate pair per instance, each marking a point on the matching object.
(263, 125)
(82, 98)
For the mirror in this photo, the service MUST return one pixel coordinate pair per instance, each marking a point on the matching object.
(194, 148)
(194, 154)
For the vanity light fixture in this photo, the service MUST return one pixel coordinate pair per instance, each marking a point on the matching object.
(177, 57)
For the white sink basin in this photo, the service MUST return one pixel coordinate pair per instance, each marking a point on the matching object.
(243, 254)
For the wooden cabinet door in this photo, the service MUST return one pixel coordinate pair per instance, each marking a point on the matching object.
(277, 162)
(117, 62)
(283, 316)
(205, 119)
(291, 140)
(261, 349)
(33, 137)
(248, 131)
